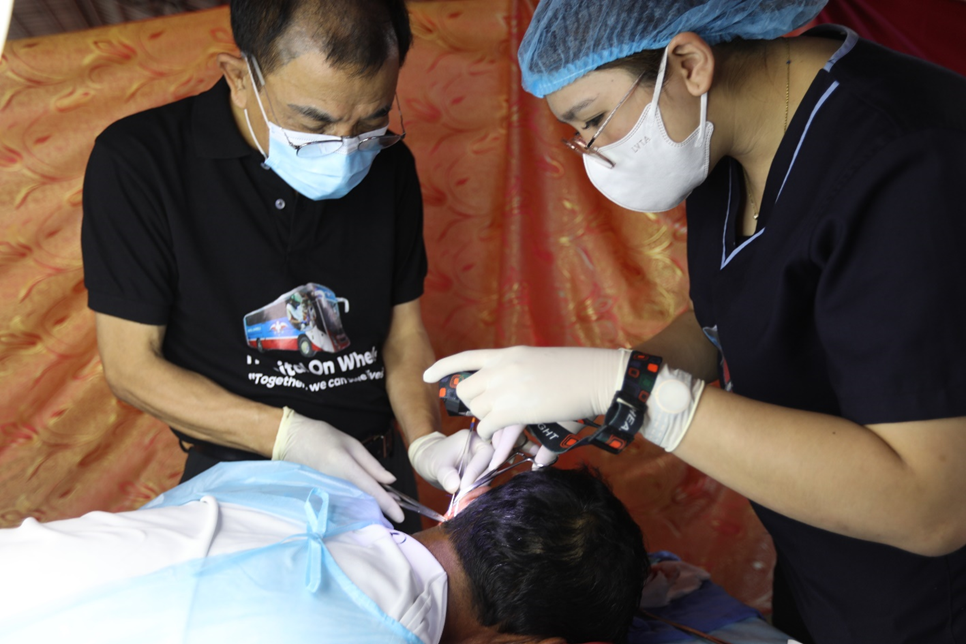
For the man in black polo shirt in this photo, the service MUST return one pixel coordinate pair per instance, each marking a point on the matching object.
(254, 254)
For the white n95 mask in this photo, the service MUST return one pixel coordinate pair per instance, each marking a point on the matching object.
(651, 172)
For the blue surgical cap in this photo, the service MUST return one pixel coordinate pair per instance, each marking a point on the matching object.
(568, 38)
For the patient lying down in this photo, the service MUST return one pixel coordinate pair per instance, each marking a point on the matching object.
(276, 552)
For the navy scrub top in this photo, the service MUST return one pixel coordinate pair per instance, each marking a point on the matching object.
(850, 300)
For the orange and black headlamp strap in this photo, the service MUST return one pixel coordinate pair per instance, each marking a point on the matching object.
(624, 417)
(626, 413)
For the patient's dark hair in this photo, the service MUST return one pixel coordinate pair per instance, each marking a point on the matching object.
(356, 35)
(552, 553)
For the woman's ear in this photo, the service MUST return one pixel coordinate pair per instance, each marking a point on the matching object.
(691, 57)
(235, 70)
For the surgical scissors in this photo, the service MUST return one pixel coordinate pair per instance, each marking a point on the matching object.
(407, 502)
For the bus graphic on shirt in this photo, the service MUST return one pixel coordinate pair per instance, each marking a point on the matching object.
(306, 319)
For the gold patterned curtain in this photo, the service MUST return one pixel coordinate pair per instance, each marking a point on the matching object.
(522, 250)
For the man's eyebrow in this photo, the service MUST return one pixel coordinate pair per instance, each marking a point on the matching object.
(322, 117)
(571, 114)
(380, 113)
(314, 113)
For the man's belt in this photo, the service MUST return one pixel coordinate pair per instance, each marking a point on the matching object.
(379, 445)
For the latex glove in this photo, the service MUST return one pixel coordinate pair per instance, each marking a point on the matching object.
(321, 446)
(436, 458)
(671, 407)
(512, 438)
(524, 385)
(504, 442)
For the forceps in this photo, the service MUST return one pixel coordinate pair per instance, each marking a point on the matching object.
(522, 457)
(453, 500)
(407, 502)
(487, 477)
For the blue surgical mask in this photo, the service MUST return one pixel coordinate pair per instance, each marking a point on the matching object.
(330, 176)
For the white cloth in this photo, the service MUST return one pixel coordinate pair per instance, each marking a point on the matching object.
(398, 573)
(45, 562)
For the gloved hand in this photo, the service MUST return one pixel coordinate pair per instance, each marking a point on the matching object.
(436, 458)
(321, 446)
(524, 385)
(539, 385)
(671, 407)
(512, 438)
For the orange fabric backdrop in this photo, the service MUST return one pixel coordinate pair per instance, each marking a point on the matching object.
(522, 250)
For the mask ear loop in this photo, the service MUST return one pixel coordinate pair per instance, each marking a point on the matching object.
(248, 64)
(659, 85)
(703, 123)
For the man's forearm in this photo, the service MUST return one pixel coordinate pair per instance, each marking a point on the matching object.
(414, 403)
(198, 407)
(138, 374)
(407, 353)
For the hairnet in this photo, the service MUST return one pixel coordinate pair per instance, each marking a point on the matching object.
(568, 38)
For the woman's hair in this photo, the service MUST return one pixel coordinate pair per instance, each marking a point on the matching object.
(552, 553)
(740, 54)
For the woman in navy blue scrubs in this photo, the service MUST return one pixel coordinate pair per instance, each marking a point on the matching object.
(826, 237)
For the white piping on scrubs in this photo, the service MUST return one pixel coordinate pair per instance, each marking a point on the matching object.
(851, 38)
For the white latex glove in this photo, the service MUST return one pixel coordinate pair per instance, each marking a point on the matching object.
(504, 442)
(671, 407)
(512, 438)
(437, 458)
(321, 446)
(524, 385)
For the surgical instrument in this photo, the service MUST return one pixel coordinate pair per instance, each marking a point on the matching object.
(487, 477)
(454, 499)
(407, 502)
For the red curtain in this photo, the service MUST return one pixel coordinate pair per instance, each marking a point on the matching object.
(522, 250)
(934, 30)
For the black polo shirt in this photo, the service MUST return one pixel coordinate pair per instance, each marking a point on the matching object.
(185, 227)
(850, 300)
